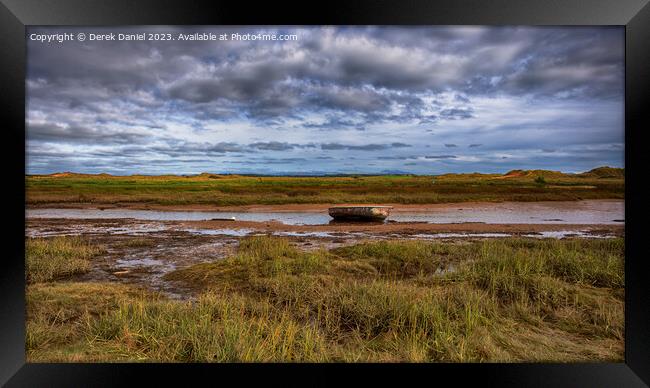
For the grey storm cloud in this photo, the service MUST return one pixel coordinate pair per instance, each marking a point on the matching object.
(332, 123)
(273, 146)
(176, 149)
(392, 157)
(224, 147)
(351, 69)
(284, 160)
(365, 147)
(48, 132)
(375, 90)
(456, 113)
(440, 157)
(189, 148)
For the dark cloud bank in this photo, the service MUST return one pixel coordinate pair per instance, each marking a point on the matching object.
(337, 100)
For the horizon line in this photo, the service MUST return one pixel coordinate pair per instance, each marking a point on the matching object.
(321, 175)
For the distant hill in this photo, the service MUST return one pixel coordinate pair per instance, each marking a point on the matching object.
(534, 173)
(63, 174)
(599, 172)
(605, 172)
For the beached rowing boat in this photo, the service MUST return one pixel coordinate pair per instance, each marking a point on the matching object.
(360, 213)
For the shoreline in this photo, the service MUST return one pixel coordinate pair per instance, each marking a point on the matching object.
(307, 207)
(406, 228)
(395, 230)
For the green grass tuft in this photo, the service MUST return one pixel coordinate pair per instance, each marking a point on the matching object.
(54, 258)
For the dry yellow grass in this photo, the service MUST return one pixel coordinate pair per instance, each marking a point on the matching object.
(506, 300)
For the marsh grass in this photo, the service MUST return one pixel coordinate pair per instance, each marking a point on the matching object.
(211, 329)
(506, 300)
(138, 242)
(233, 190)
(405, 259)
(48, 259)
(57, 313)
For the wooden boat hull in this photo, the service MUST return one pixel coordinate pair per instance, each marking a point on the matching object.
(359, 213)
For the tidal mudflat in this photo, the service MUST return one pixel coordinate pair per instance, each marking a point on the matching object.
(141, 246)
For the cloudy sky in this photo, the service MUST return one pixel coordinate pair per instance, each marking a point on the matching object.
(336, 100)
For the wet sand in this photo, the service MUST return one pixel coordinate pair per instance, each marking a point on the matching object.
(397, 207)
(45, 227)
(403, 228)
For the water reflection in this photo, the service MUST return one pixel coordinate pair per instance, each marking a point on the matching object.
(574, 212)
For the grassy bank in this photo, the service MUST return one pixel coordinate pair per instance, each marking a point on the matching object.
(58, 257)
(230, 190)
(495, 300)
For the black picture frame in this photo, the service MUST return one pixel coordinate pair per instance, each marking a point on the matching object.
(16, 14)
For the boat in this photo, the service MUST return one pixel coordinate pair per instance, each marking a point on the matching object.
(359, 213)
